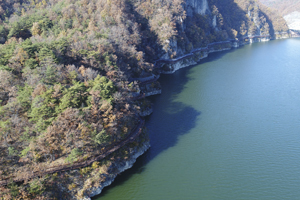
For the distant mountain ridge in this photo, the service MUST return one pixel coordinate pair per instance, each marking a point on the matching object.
(290, 9)
(285, 7)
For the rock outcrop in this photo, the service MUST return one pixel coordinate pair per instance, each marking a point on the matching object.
(117, 168)
(197, 6)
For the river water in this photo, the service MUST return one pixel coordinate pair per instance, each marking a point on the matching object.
(226, 129)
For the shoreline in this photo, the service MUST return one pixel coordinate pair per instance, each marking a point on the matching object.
(120, 167)
(185, 61)
(180, 62)
(169, 66)
(163, 66)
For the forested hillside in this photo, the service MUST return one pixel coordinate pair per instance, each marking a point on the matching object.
(250, 17)
(285, 7)
(67, 71)
(290, 9)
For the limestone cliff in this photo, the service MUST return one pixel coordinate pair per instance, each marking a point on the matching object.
(214, 25)
(209, 21)
(197, 6)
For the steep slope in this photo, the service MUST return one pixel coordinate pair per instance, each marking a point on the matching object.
(293, 20)
(223, 20)
(290, 9)
(74, 74)
(285, 7)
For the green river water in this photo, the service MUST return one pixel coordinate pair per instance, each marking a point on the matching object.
(226, 129)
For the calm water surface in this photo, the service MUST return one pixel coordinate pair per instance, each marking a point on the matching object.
(226, 129)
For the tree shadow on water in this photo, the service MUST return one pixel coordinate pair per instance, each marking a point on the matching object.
(169, 120)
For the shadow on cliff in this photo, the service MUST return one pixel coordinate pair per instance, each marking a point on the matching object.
(168, 122)
(233, 15)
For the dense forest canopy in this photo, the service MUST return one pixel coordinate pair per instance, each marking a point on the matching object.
(66, 71)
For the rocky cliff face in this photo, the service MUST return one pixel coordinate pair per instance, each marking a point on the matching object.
(210, 22)
(197, 6)
(117, 168)
(193, 9)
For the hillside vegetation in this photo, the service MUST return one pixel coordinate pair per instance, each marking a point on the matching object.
(290, 9)
(66, 78)
(284, 7)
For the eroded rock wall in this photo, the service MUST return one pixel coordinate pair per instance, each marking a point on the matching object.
(197, 6)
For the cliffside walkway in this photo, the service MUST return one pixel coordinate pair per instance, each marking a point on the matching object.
(131, 137)
(207, 48)
(255, 36)
(151, 79)
(154, 78)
